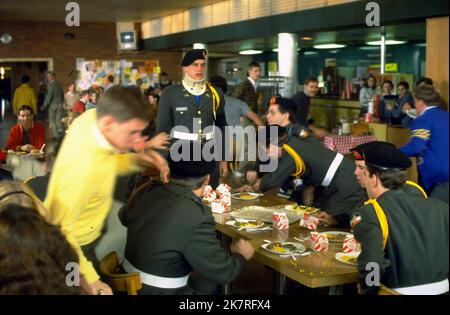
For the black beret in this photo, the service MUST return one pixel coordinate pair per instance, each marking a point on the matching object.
(382, 155)
(190, 168)
(193, 55)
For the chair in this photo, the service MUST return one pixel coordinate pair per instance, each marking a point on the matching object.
(384, 290)
(119, 282)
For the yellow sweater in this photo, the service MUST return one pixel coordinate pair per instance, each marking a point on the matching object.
(24, 95)
(80, 192)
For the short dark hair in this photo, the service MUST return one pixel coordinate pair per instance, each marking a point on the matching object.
(370, 76)
(25, 107)
(390, 179)
(285, 105)
(310, 79)
(164, 73)
(85, 92)
(282, 137)
(110, 78)
(253, 64)
(427, 94)
(388, 82)
(425, 80)
(404, 84)
(26, 79)
(220, 82)
(123, 103)
(190, 183)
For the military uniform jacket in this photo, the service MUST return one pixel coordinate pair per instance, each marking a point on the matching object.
(342, 194)
(417, 245)
(246, 93)
(170, 234)
(178, 107)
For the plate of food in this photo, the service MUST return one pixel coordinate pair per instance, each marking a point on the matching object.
(348, 258)
(302, 209)
(335, 236)
(246, 223)
(283, 248)
(245, 196)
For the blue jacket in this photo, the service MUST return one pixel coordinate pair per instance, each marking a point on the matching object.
(429, 142)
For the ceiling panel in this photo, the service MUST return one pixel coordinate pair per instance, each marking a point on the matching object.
(95, 10)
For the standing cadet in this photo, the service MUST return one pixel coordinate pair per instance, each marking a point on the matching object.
(170, 234)
(429, 142)
(329, 171)
(189, 110)
(403, 237)
(54, 102)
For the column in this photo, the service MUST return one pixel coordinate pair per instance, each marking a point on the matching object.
(287, 62)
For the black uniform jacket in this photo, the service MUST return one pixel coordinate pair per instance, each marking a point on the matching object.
(343, 193)
(170, 234)
(416, 250)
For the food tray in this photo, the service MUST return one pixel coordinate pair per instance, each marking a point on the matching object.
(265, 213)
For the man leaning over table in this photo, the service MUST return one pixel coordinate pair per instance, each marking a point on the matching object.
(171, 233)
(404, 237)
(93, 153)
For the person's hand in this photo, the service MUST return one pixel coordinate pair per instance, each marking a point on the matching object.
(327, 219)
(245, 188)
(95, 288)
(251, 176)
(406, 107)
(223, 168)
(26, 148)
(159, 142)
(155, 159)
(244, 248)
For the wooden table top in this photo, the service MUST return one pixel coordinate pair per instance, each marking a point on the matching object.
(314, 271)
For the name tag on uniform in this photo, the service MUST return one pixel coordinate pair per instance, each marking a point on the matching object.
(181, 109)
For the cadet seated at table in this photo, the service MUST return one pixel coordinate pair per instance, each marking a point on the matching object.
(337, 191)
(170, 234)
(405, 236)
(27, 135)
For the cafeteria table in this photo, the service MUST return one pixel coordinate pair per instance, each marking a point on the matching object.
(314, 271)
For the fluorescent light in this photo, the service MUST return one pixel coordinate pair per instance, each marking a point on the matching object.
(369, 48)
(388, 42)
(307, 38)
(329, 46)
(310, 53)
(275, 50)
(250, 52)
(421, 45)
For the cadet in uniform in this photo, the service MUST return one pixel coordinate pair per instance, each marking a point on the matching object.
(306, 158)
(170, 233)
(404, 234)
(187, 111)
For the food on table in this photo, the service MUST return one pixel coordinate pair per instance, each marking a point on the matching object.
(350, 259)
(248, 224)
(335, 237)
(281, 247)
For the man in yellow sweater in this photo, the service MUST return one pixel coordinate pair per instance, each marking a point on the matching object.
(24, 95)
(92, 155)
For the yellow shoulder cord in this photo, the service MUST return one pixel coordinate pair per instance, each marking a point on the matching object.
(299, 163)
(381, 218)
(28, 179)
(215, 99)
(418, 187)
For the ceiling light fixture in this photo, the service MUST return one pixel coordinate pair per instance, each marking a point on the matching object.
(388, 42)
(307, 38)
(329, 46)
(310, 53)
(250, 52)
(275, 50)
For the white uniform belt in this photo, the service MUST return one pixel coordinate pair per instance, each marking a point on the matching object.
(193, 136)
(156, 281)
(434, 288)
(332, 170)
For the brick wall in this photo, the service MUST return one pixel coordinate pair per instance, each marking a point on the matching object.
(91, 41)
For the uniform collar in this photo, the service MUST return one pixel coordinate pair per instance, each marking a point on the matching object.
(253, 82)
(180, 190)
(195, 87)
(426, 109)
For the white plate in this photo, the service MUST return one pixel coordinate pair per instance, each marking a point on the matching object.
(299, 248)
(298, 208)
(335, 233)
(344, 257)
(251, 196)
(236, 224)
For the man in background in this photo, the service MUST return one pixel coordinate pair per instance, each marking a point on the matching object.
(24, 95)
(54, 102)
